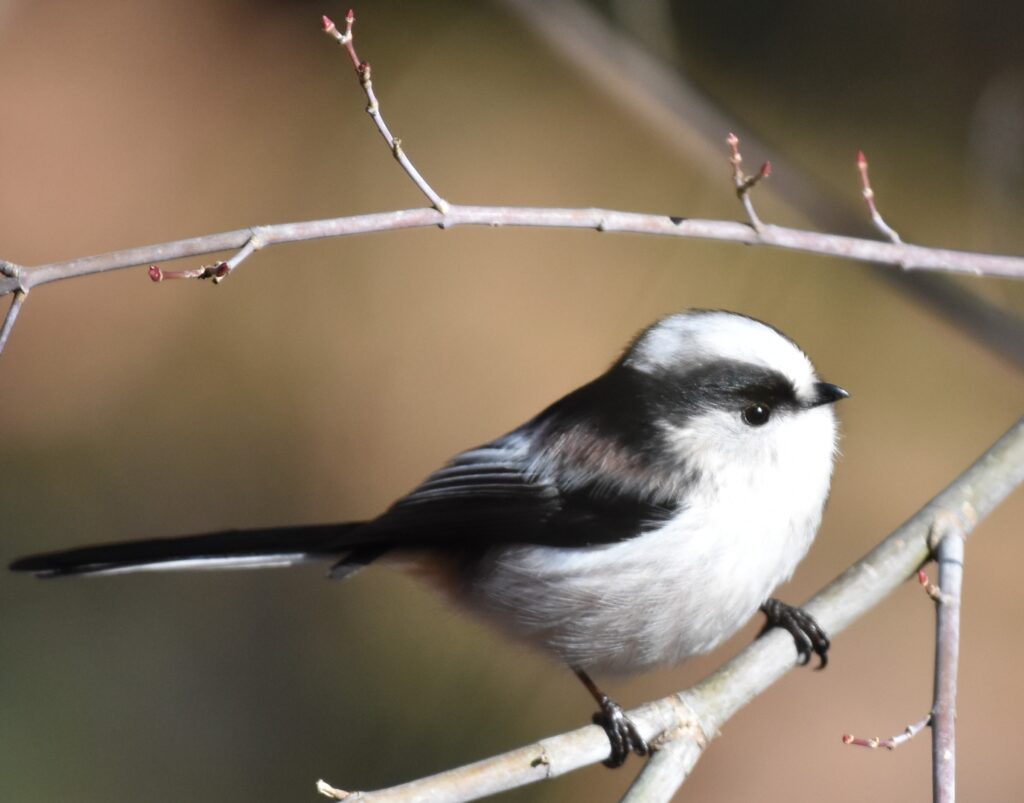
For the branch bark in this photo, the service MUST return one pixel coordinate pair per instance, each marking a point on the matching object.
(948, 546)
(683, 723)
(903, 255)
(14, 278)
(689, 120)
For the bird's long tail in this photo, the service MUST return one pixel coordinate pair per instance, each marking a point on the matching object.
(231, 549)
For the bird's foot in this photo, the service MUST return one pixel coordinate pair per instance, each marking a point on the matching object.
(622, 733)
(807, 633)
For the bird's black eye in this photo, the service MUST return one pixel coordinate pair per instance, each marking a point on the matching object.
(757, 415)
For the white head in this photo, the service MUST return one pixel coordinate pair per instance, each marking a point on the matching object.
(741, 399)
(691, 339)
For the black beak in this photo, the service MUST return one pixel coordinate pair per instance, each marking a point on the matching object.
(827, 393)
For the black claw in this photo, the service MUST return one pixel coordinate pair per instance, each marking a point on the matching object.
(622, 733)
(807, 633)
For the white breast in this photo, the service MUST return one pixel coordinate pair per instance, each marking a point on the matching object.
(685, 587)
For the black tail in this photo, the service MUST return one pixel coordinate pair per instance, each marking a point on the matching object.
(276, 546)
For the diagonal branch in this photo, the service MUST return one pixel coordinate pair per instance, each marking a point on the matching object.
(685, 722)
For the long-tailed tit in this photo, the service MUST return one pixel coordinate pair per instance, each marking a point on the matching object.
(639, 520)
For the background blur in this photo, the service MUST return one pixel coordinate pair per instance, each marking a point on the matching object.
(324, 379)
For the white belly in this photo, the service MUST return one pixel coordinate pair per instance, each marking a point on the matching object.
(660, 597)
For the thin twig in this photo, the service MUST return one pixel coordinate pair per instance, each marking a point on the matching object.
(893, 741)
(874, 742)
(12, 316)
(363, 70)
(744, 184)
(869, 199)
(14, 278)
(218, 271)
(695, 716)
(214, 271)
(664, 100)
(947, 539)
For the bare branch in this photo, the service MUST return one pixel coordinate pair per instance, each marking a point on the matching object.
(893, 741)
(215, 271)
(869, 199)
(445, 215)
(744, 184)
(373, 108)
(948, 538)
(218, 271)
(671, 104)
(12, 316)
(605, 220)
(692, 718)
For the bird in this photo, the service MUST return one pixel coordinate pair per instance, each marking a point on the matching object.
(639, 520)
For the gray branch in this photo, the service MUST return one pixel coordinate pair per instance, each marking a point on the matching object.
(897, 255)
(16, 279)
(948, 542)
(682, 724)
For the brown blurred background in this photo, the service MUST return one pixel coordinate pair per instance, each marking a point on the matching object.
(324, 379)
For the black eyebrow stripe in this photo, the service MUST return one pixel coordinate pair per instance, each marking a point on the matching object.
(723, 384)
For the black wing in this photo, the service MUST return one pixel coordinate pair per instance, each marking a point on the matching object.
(557, 481)
(584, 472)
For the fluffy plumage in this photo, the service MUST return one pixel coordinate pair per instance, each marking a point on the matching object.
(640, 519)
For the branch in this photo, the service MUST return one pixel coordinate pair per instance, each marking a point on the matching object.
(869, 198)
(445, 215)
(744, 184)
(661, 96)
(946, 541)
(347, 40)
(12, 315)
(603, 220)
(948, 545)
(683, 723)
(893, 741)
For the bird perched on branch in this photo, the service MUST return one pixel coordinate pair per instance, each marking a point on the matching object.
(641, 519)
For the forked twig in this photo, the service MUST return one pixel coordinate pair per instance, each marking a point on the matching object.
(946, 540)
(744, 183)
(363, 70)
(15, 279)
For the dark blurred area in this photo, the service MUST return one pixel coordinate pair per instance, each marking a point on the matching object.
(324, 379)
